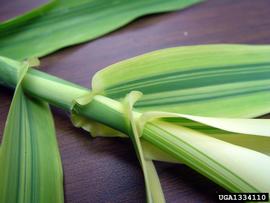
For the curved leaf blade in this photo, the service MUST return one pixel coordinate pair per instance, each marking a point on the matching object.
(154, 191)
(206, 80)
(64, 23)
(253, 134)
(30, 162)
(236, 168)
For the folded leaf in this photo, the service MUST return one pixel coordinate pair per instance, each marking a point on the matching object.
(63, 23)
(249, 133)
(258, 127)
(153, 188)
(29, 158)
(236, 168)
(250, 141)
(206, 80)
(216, 80)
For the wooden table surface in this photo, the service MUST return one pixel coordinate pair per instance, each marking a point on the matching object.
(106, 169)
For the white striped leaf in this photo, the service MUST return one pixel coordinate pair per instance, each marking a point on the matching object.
(206, 80)
(30, 162)
(62, 23)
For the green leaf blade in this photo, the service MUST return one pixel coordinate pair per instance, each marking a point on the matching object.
(56, 24)
(208, 80)
(154, 191)
(29, 156)
(236, 168)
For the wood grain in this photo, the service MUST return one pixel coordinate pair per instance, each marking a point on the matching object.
(106, 170)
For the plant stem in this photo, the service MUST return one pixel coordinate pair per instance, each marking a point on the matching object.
(61, 93)
(110, 112)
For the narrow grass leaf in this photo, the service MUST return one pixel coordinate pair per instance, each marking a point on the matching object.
(62, 23)
(256, 127)
(30, 163)
(153, 188)
(205, 80)
(236, 168)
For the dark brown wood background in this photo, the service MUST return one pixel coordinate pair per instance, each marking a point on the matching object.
(104, 169)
